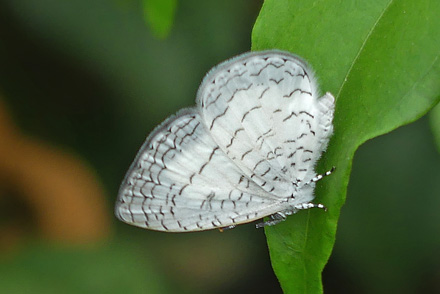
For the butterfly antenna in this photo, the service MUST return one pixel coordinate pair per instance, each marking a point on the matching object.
(319, 177)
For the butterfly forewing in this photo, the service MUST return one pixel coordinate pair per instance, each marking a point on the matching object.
(263, 111)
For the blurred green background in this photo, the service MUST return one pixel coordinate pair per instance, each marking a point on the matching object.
(84, 82)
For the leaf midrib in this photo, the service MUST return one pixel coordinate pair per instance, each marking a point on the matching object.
(370, 32)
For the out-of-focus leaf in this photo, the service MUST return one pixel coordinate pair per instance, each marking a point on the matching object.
(113, 268)
(159, 14)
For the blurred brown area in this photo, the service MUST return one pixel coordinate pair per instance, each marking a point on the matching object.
(60, 190)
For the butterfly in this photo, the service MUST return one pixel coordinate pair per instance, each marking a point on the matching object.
(246, 151)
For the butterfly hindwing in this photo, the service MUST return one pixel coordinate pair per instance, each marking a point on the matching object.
(182, 181)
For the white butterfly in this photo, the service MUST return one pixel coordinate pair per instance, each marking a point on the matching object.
(246, 151)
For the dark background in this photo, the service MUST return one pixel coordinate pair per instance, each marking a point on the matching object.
(82, 83)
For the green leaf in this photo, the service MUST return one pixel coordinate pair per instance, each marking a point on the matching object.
(380, 59)
(159, 14)
(434, 118)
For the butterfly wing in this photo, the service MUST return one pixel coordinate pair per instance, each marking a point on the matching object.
(263, 111)
(241, 155)
(182, 181)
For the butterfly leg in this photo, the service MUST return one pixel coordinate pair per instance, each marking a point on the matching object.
(226, 228)
(274, 219)
(303, 206)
